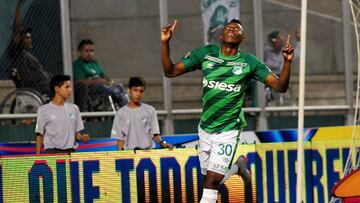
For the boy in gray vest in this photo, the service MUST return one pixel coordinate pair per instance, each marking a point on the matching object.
(136, 125)
(58, 123)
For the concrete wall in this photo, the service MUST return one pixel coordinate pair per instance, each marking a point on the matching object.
(127, 38)
(126, 32)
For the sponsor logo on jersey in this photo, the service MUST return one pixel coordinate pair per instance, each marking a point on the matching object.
(221, 86)
(214, 59)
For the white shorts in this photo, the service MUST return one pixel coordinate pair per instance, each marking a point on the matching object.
(216, 150)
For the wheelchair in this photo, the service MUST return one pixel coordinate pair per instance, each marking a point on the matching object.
(21, 101)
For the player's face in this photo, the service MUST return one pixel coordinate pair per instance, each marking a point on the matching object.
(87, 52)
(64, 90)
(136, 94)
(232, 33)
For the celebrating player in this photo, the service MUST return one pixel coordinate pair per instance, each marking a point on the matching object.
(227, 72)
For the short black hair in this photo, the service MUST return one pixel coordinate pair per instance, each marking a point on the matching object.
(84, 42)
(235, 21)
(26, 31)
(57, 81)
(136, 82)
(272, 36)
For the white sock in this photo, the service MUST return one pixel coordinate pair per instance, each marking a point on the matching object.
(234, 169)
(209, 196)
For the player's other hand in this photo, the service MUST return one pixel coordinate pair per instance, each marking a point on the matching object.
(167, 31)
(288, 51)
(85, 138)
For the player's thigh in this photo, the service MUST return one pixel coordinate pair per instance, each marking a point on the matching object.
(204, 149)
(223, 148)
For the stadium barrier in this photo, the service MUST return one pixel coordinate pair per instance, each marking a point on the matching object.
(169, 176)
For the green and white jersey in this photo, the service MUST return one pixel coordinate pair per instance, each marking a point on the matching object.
(224, 85)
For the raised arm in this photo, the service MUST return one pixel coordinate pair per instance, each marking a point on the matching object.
(170, 69)
(17, 22)
(281, 83)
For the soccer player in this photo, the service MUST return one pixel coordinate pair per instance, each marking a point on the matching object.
(58, 123)
(226, 71)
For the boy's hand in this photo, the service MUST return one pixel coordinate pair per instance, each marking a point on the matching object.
(85, 138)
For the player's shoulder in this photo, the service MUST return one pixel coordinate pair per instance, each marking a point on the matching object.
(249, 57)
(147, 106)
(207, 49)
(124, 110)
(44, 107)
(211, 48)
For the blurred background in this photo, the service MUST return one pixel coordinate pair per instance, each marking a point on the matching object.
(126, 34)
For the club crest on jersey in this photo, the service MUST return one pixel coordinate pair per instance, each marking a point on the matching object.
(238, 69)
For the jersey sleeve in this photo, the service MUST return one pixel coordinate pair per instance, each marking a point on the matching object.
(40, 122)
(116, 130)
(79, 121)
(193, 59)
(261, 71)
(154, 123)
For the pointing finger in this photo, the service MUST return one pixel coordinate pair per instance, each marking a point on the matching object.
(288, 39)
(173, 25)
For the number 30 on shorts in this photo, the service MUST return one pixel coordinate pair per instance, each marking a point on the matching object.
(225, 149)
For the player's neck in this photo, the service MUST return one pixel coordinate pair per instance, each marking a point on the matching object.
(229, 49)
(58, 100)
(134, 105)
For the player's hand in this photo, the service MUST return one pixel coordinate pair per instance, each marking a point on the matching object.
(167, 31)
(288, 51)
(85, 138)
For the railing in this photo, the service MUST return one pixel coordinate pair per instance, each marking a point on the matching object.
(198, 111)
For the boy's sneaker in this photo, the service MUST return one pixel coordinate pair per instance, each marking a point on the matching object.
(241, 163)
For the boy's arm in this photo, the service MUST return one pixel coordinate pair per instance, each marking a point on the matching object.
(163, 144)
(39, 142)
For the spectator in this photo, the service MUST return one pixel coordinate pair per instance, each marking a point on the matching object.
(273, 58)
(59, 122)
(136, 125)
(26, 70)
(90, 78)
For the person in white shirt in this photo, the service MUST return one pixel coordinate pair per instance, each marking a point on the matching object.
(136, 124)
(59, 123)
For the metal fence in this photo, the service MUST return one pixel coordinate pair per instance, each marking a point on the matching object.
(126, 36)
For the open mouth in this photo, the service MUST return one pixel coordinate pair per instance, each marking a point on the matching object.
(230, 35)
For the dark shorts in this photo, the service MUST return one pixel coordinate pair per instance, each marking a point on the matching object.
(59, 151)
